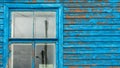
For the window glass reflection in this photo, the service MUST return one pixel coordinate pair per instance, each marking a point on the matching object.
(21, 56)
(40, 60)
(33, 24)
(22, 24)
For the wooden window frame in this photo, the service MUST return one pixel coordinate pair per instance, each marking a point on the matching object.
(59, 25)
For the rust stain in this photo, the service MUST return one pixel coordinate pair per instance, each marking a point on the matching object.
(77, 1)
(88, 55)
(100, 0)
(78, 10)
(51, 0)
(75, 16)
(86, 67)
(82, 43)
(73, 67)
(72, 22)
(106, 0)
(72, 50)
(99, 5)
(118, 28)
(71, 0)
(114, 67)
(93, 64)
(65, 57)
(109, 16)
(91, 17)
(34, 1)
(116, 54)
(45, 1)
(88, 48)
(118, 10)
(54, 0)
(77, 35)
(67, 16)
(100, 23)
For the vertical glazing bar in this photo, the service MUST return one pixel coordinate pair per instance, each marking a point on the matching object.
(33, 43)
(33, 22)
(33, 54)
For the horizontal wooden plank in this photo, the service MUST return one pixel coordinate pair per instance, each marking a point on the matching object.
(92, 15)
(93, 4)
(91, 56)
(77, 1)
(92, 27)
(92, 50)
(88, 50)
(91, 44)
(92, 62)
(90, 33)
(100, 10)
(30, 1)
(92, 38)
(92, 21)
(89, 66)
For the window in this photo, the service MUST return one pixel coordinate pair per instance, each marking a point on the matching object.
(22, 55)
(33, 36)
(33, 25)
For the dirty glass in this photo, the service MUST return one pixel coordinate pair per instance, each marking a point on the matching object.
(21, 56)
(22, 25)
(40, 60)
(34, 24)
(45, 25)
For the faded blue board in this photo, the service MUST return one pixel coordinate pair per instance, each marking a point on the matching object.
(1, 33)
(30, 1)
(91, 32)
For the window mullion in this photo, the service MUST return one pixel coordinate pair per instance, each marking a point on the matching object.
(33, 24)
(31, 40)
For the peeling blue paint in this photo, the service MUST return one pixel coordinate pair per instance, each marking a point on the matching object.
(91, 31)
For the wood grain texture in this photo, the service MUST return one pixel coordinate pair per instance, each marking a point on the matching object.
(91, 36)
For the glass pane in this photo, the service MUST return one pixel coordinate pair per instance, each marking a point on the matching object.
(21, 56)
(40, 52)
(34, 24)
(22, 24)
(45, 24)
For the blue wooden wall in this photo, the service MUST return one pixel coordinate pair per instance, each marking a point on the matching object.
(91, 32)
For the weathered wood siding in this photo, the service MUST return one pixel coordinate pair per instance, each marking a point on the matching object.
(91, 32)
(1, 33)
